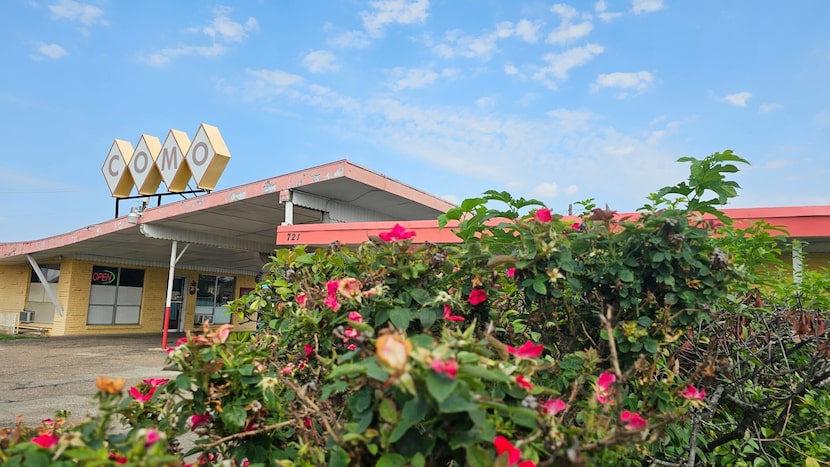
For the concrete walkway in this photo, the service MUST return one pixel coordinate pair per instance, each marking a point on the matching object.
(39, 376)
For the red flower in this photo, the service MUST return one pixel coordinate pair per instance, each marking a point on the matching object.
(477, 296)
(576, 226)
(301, 299)
(603, 389)
(118, 459)
(198, 420)
(553, 407)
(449, 316)
(633, 420)
(139, 397)
(448, 367)
(510, 272)
(152, 437)
(693, 394)
(308, 350)
(332, 303)
(514, 455)
(331, 288)
(503, 445)
(355, 316)
(156, 382)
(46, 440)
(527, 350)
(397, 233)
(522, 382)
(543, 215)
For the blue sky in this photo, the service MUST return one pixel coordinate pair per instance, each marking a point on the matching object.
(558, 101)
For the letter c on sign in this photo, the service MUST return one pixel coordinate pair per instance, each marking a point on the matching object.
(200, 147)
(112, 172)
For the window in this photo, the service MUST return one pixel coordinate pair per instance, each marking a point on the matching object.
(52, 273)
(115, 297)
(212, 295)
(38, 298)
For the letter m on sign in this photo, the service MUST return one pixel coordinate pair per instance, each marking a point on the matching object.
(171, 162)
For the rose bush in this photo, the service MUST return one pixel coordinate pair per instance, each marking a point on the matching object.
(535, 341)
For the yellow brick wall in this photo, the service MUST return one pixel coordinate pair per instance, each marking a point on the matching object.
(14, 287)
(75, 286)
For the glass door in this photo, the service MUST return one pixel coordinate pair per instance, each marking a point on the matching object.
(176, 303)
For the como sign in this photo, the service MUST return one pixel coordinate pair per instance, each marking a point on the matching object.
(173, 162)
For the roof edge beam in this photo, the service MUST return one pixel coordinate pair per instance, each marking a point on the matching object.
(187, 236)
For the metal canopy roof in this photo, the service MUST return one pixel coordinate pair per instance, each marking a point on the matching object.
(234, 230)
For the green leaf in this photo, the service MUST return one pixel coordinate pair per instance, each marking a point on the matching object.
(234, 418)
(183, 382)
(456, 404)
(427, 317)
(421, 296)
(477, 456)
(479, 372)
(391, 460)
(388, 411)
(413, 412)
(339, 457)
(375, 370)
(400, 317)
(440, 386)
(650, 345)
(539, 286)
(348, 369)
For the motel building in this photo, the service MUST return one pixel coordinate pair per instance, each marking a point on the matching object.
(187, 258)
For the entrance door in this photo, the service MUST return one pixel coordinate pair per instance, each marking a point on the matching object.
(176, 303)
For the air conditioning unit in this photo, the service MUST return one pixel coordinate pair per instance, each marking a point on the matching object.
(200, 319)
(27, 316)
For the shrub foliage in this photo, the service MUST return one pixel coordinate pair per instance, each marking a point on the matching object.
(669, 337)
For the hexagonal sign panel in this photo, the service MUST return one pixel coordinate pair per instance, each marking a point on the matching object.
(207, 157)
(143, 165)
(116, 169)
(171, 161)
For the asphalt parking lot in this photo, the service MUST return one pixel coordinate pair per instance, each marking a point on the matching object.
(39, 376)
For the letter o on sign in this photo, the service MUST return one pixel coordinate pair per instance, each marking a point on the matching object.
(142, 161)
(200, 153)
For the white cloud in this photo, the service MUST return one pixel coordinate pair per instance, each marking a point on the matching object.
(83, 13)
(568, 31)
(485, 102)
(53, 51)
(320, 61)
(221, 29)
(351, 40)
(570, 148)
(646, 6)
(385, 12)
(413, 78)
(638, 81)
(559, 65)
(769, 107)
(224, 28)
(276, 78)
(456, 43)
(601, 9)
(545, 190)
(739, 98)
(164, 56)
(528, 31)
